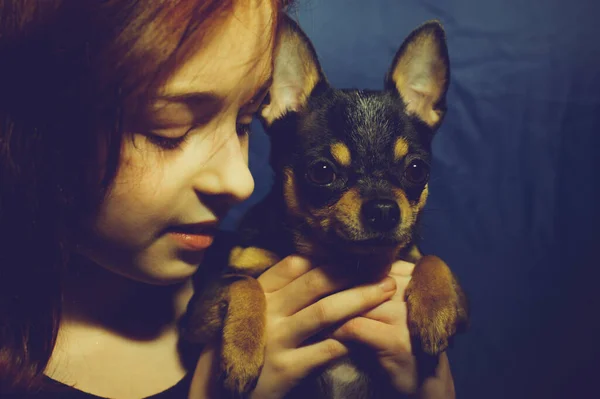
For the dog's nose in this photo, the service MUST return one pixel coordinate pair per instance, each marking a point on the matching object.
(381, 214)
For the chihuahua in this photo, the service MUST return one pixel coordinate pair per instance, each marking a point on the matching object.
(351, 179)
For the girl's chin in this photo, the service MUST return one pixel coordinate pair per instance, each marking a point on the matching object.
(173, 275)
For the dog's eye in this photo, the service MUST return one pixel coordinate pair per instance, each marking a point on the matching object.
(321, 173)
(417, 172)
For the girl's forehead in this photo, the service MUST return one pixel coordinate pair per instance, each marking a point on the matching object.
(235, 56)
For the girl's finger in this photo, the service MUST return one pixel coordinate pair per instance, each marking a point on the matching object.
(205, 377)
(336, 308)
(307, 358)
(402, 268)
(401, 283)
(377, 335)
(305, 291)
(391, 312)
(401, 271)
(284, 272)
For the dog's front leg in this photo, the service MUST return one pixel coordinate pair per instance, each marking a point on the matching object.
(244, 335)
(437, 305)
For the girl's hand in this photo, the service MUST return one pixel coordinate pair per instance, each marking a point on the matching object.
(302, 300)
(385, 329)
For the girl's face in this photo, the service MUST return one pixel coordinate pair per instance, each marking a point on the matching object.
(188, 165)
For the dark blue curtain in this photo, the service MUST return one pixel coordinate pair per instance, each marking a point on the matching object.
(514, 197)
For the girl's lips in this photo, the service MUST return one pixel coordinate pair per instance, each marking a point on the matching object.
(194, 242)
(194, 236)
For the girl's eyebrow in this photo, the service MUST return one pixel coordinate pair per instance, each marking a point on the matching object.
(196, 101)
(192, 99)
(196, 106)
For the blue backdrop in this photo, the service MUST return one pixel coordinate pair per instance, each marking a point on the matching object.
(514, 195)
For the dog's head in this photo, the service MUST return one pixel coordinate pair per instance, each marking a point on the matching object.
(354, 164)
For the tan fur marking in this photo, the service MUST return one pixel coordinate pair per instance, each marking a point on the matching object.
(407, 215)
(410, 75)
(341, 154)
(252, 260)
(325, 224)
(348, 208)
(400, 149)
(290, 192)
(244, 335)
(320, 218)
(423, 198)
(315, 218)
(414, 254)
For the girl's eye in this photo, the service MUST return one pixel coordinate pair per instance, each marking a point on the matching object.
(167, 143)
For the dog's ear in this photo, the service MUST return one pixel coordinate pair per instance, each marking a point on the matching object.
(420, 73)
(296, 72)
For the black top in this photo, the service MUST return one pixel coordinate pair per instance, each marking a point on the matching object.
(56, 390)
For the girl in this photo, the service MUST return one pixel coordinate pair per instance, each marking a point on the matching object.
(123, 142)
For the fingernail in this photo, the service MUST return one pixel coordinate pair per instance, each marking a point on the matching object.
(387, 285)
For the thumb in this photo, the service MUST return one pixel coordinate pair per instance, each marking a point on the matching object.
(204, 381)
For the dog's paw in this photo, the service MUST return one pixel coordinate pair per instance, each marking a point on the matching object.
(436, 305)
(430, 322)
(241, 369)
(204, 318)
(244, 337)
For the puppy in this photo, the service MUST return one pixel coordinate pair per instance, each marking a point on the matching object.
(351, 179)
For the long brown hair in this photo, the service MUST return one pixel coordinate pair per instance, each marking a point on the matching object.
(68, 70)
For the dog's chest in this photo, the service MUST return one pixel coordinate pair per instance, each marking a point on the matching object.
(345, 381)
